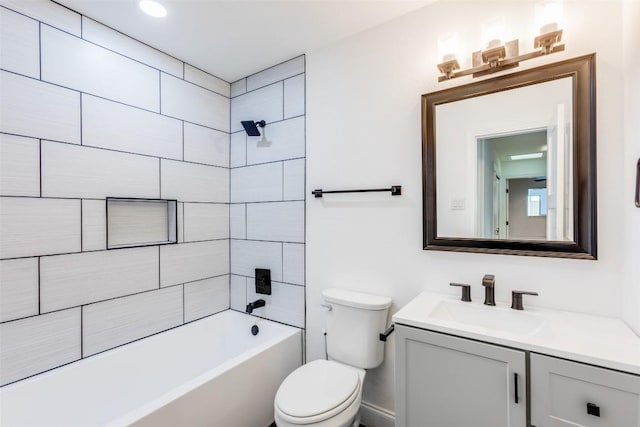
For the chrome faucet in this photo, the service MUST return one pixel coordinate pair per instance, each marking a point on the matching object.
(256, 304)
(489, 282)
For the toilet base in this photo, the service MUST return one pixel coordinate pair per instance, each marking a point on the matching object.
(331, 422)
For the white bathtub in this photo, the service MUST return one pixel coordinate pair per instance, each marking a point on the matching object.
(212, 372)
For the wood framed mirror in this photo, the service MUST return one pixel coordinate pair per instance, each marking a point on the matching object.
(509, 163)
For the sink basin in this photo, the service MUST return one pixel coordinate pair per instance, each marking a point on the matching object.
(596, 340)
(489, 317)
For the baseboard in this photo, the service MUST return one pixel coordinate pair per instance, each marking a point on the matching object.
(375, 416)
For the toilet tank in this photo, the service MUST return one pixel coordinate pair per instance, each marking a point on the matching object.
(353, 324)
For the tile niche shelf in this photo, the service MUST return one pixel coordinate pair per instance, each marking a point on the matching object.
(141, 222)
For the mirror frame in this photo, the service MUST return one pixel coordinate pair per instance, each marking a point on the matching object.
(584, 244)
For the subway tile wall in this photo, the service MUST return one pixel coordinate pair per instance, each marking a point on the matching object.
(267, 215)
(88, 113)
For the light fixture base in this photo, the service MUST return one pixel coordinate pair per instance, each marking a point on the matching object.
(447, 68)
(547, 42)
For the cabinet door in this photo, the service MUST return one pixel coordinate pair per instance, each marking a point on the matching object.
(446, 381)
(573, 394)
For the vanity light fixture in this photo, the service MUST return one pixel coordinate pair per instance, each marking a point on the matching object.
(153, 8)
(526, 156)
(498, 56)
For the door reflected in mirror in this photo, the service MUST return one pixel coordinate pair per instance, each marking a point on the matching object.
(521, 195)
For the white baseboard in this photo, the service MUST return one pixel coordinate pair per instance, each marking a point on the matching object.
(375, 416)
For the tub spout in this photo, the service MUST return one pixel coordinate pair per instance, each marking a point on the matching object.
(256, 304)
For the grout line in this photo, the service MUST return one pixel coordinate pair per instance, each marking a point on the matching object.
(117, 249)
(81, 228)
(160, 266)
(81, 132)
(268, 123)
(39, 286)
(131, 58)
(268, 84)
(132, 198)
(139, 41)
(81, 332)
(110, 299)
(40, 163)
(183, 305)
(148, 336)
(39, 50)
(160, 92)
(160, 178)
(110, 100)
(267, 163)
(119, 53)
(183, 140)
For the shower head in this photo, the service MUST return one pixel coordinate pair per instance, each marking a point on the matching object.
(251, 127)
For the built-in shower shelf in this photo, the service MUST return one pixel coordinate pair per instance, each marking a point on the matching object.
(135, 222)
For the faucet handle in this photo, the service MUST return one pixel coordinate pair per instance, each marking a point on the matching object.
(489, 280)
(516, 299)
(466, 291)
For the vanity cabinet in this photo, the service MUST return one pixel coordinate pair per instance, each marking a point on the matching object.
(446, 381)
(565, 393)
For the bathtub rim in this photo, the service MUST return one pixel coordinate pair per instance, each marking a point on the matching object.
(175, 393)
(283, 333)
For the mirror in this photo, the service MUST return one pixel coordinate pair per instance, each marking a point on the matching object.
(509, 163)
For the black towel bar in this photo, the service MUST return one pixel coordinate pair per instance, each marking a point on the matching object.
(638, 184)
(396, 190)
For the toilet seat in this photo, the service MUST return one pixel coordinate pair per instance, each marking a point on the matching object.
(317, 391)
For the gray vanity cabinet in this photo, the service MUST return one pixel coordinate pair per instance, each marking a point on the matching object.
(571, 394)
(446, 381)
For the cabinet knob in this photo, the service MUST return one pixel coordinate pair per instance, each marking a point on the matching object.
(593, 409)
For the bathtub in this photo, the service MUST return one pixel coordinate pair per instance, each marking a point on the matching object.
(212, 372)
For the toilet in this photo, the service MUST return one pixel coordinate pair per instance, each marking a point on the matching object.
(327, 393)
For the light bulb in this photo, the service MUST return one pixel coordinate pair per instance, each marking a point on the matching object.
(153, 8)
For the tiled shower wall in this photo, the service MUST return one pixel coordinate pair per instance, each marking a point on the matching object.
(268, 191)
(88, 113)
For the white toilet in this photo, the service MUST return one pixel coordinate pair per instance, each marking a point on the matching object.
(327, 393)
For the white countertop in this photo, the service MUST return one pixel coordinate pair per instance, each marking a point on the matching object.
(597, 340)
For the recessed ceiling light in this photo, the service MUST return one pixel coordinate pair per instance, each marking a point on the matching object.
(153, 8)
(526, 156)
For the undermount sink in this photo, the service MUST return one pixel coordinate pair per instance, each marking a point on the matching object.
(500, 319)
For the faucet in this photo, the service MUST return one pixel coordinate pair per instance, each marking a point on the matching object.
(253, 305)
(489, 282)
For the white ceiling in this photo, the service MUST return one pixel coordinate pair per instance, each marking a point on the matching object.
(235, 38)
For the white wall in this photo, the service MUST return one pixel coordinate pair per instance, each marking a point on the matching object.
(631, 46)
(363, 130)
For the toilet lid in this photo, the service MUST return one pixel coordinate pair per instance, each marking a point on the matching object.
(316, 388)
